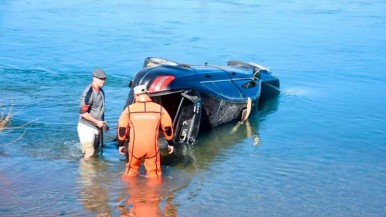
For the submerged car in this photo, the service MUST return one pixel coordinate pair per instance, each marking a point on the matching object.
(200, 97)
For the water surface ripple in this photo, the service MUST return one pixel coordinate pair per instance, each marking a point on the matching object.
(318, 149)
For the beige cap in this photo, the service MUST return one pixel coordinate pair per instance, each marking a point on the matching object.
(140, 89)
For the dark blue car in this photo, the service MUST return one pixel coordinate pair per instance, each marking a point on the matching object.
(200, 97)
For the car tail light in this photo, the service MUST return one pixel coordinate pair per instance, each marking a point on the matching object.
(161, 83)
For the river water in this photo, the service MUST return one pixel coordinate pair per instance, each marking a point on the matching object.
(318, 149)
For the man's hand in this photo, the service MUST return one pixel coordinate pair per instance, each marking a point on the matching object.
(170, 149)
(122, 150)
(100, 124)
(106, 127)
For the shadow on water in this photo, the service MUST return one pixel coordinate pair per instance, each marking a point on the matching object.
(103, 192)
(144, 198)
(93, 181)
(209, 145)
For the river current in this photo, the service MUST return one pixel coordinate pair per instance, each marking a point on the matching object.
(318, 149)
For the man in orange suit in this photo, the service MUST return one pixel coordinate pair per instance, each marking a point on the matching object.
(140, 123)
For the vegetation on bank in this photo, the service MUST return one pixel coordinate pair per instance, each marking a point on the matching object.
(5, 119)
(5, 123)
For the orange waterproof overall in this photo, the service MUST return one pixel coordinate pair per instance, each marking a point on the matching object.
(140, 123)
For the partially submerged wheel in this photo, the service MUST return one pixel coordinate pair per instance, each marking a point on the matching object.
(155, 61)
(187, 120)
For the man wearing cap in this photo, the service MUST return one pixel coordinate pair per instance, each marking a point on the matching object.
(91, 118)
(140, 123)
